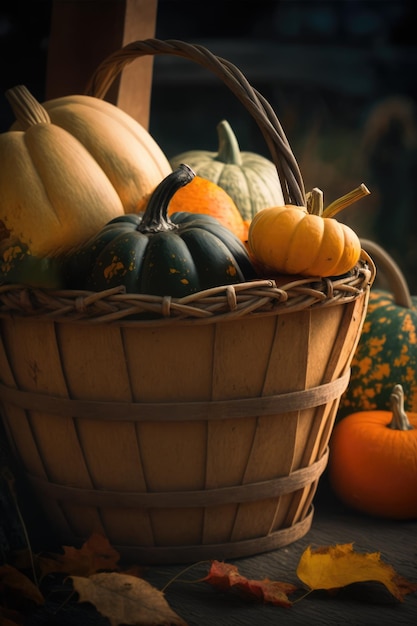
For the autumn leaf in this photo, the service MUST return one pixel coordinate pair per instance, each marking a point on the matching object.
(18, 587)
(337, 566)
(224, 577)
(125, 599)
(95, 555)
(9, 617)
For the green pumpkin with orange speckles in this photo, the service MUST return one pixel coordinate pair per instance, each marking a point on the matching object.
(387, 350)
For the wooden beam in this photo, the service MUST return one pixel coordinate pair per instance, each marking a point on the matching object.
(84, 32)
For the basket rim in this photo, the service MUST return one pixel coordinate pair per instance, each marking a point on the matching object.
(272, 296)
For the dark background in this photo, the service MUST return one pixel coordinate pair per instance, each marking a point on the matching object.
(340, 74)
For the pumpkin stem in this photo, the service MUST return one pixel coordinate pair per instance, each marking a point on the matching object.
(341, 203)
(155, 219)
(27, 110)
(229, 151)
(399, 416)
(315, 201)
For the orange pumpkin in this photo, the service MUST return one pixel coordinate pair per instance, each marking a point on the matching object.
(289, 240)
(373, 461)
(203, 196)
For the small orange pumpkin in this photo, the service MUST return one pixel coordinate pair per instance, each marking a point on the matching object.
(373, 461)
(289, 240)
(306, 240)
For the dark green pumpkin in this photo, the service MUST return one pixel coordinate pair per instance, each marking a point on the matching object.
(387, 350)
(154, 254)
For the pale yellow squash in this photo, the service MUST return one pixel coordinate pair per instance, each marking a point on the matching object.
(54, 195)
(130, 157)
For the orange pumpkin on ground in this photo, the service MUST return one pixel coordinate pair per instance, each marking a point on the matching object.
(373, 461)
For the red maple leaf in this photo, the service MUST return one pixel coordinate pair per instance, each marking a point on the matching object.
(226, 577)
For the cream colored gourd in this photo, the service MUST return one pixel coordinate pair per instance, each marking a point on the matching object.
(54, 195)
(129, 156)
(250, 179)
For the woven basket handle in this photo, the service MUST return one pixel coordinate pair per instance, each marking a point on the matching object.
(281, 154)
(391, 271)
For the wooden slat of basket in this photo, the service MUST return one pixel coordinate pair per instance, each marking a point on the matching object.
(17, 424)
(345, 343)
(314, 423)
(24, 453)
(240, 365)
(102, 372)
(288, 356)
(309, 323)
(36, 363)
(173, 454)
(325, 330)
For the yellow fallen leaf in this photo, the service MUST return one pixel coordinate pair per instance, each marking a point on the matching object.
(125, 599)
(337, 566)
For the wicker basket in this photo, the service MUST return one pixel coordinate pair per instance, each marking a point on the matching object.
(201, 433)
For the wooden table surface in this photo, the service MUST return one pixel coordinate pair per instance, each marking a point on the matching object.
(360, 605)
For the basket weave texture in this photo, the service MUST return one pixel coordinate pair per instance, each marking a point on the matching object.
(261, 297)
(186, 428)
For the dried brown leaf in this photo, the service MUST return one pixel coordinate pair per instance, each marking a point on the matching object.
(125, 599)
(9, 617)
(19, 587)
(95, 555)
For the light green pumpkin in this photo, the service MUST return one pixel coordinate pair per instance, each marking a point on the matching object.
(249, 178)
(387, 350)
